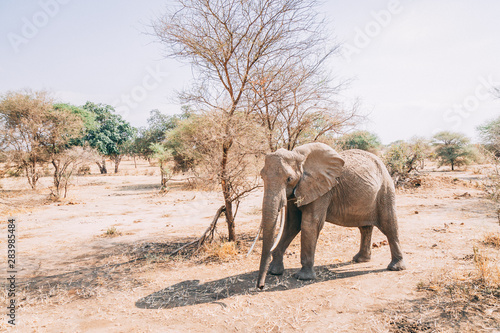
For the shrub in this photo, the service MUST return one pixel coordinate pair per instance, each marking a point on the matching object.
(404, 158)
(363, 140)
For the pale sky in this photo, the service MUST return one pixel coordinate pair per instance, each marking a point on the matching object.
(418, 66)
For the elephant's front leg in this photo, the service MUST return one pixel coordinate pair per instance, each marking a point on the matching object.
(313, 219)
(292, 228)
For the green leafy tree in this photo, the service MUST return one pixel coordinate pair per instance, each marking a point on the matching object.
(159, 125)
(183, 143)
(109, 136)
(363, 140)
(490, 135)
(87, 118)
(453, 148)
(163, 155)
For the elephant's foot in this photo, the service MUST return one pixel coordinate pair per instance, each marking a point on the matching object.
(362, 257)
(305, 274)
(397, 265)
(276, 268)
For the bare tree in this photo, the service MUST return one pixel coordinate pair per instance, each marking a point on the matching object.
(66, 163)
(227, 42)
(296, 104)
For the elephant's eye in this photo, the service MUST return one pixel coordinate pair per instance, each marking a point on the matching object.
(289, 179)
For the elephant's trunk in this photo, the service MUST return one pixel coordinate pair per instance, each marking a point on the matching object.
(271, 206)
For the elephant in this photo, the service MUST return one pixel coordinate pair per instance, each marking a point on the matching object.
(313, 184)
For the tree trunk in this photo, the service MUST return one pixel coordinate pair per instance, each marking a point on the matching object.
(163, 177)
(452, 166)
(57, 178)
(102, 166)
(135, 163)
(231, 228)
(31, 174)
(117, 159)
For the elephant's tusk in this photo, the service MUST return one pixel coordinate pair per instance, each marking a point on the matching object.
(282, 227)
(254, 241)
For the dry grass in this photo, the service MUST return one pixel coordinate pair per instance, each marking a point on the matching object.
(487, 270)
(493, 239)
(112, 232)
(455, 301)
(219, 251)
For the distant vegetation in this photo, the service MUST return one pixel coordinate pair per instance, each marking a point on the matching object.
(37, 131)
(453, 149)
(404, 158)
(363, 140)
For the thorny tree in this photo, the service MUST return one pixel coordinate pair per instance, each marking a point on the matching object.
(453, 148)
(200, 137)
(66, 128)
(25, 129)
(228, 42)
(66, 163)
(295, 102)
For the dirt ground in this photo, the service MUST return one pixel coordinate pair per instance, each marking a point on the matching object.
(96, 262)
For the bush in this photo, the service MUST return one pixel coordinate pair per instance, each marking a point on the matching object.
(490, 134)
(492, 181)
(163, 155)
(405, 158)
(363, 140)
(84, 170)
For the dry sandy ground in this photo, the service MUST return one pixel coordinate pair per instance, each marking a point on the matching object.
(74, 279)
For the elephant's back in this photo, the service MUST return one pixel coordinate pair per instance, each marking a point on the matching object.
(354, 199)
(365, 167)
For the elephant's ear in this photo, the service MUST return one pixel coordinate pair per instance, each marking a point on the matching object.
(321, 167)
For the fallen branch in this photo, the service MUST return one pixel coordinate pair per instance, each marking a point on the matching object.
(208, 233)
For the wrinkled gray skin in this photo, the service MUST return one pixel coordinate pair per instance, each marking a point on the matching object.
(351, 189)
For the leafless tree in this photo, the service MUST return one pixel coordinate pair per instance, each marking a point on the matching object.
(66, 163)
(230, 44)
(297, 104)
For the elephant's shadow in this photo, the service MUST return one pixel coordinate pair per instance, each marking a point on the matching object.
(191, 292)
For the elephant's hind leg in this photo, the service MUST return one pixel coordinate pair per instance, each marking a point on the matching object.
(388, 224)
(292, 228)
(365, 248)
